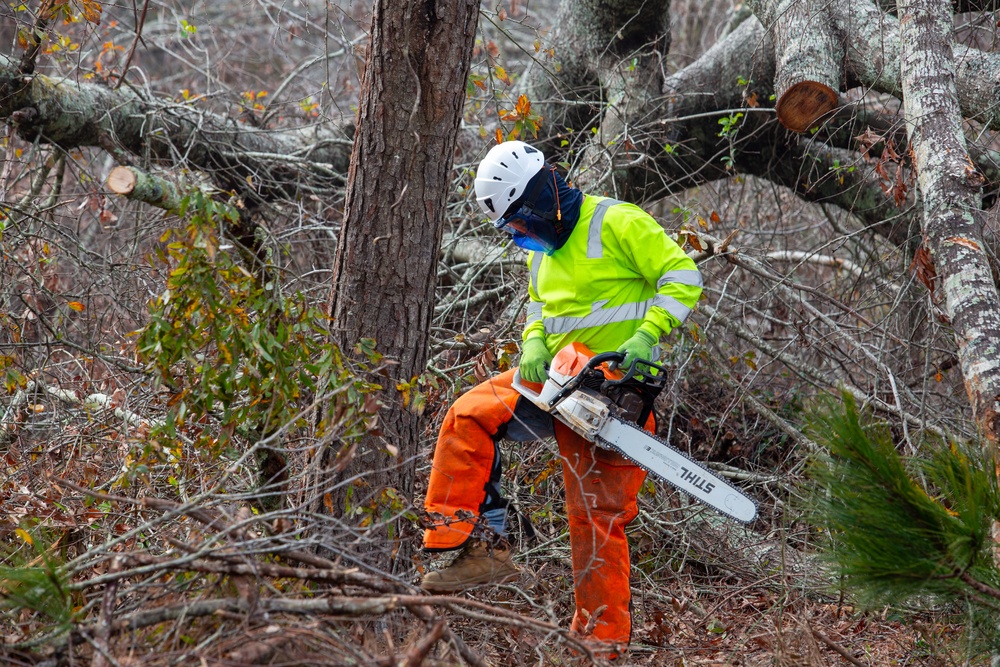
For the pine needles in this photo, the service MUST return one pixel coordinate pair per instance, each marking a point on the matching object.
(30, 578)
(902, 530)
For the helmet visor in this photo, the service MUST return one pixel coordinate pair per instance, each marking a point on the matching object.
(533, 243)
(529, 231)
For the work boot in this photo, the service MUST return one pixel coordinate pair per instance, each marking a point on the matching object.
(478, 563)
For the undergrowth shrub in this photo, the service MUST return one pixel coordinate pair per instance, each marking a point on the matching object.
(31, 578)
(238, 357)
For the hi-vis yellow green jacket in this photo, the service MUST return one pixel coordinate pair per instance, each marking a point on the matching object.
(618, 272)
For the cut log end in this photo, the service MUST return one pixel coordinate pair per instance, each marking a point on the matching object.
(802, 106)
(122, 180)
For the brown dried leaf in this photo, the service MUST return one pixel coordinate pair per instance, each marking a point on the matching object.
(866, 140)
(107, 217)
(693, 241)
(923, 266)
(92, 11)
(889, 152)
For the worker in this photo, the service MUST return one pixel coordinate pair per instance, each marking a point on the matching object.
(603, 273)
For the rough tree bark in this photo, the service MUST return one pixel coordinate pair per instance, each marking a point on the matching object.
(613, 54)
(872, 40)
(951, 189)
(595, 42)
(384, 275)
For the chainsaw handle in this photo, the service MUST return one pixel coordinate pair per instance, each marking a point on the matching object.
(599, 359)
(630, 373)
(593, 363)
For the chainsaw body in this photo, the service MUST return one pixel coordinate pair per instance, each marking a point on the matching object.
(610, 407)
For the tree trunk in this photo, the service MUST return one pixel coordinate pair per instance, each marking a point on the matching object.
(951, 191)
(384, 274)
(595, 42)
(621, 47)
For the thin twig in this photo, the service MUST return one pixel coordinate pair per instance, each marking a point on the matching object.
(256, 568)
(985, 589)
(135, 42)
(415, 656)
(425, 613)
(838, 648)
(102, 633)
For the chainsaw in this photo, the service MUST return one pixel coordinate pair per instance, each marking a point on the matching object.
(607, 406)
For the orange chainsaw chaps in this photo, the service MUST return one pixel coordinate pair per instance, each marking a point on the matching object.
(601, 490)
(463, 459)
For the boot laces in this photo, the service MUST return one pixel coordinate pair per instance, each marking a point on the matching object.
(462, 555)
(466, 553)
(488, 547)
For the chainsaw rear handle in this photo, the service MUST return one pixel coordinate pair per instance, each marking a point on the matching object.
(655, 382)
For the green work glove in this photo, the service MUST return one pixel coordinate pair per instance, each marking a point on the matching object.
(534, 358)
(639, 346)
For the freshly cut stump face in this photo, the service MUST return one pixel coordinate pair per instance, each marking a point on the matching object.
(802, 106)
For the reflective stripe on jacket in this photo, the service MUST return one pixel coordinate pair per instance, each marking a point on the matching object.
(617, 272)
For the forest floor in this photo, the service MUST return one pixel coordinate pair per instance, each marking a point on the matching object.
(694, 617)
(705, 592)
(756, 624)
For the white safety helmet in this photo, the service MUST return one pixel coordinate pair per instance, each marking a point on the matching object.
(504, 174)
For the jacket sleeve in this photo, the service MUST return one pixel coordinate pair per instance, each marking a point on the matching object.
(533, 326)
(664, 264)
